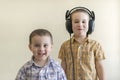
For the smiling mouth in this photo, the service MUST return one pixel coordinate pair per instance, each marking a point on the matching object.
(80, 29)
(41, 54)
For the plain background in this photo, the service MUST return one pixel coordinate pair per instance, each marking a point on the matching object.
(18, 18)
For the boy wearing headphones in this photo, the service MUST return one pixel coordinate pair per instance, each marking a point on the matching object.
(81, 57)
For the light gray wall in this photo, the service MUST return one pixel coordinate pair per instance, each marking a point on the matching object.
(19, 17)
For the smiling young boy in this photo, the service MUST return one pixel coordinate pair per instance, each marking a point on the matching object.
(41, 66)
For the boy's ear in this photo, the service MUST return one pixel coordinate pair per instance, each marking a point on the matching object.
(29, 46)
(52, 46)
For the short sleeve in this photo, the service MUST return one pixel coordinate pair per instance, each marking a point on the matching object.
(62, 75)
(99, 53)
(21, 74)
(61, 53)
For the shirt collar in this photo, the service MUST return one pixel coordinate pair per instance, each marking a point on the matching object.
(32, 62)
(86, 40)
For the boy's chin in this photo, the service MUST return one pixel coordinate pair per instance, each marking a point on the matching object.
(44, 57)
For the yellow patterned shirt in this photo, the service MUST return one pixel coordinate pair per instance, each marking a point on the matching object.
(84, 58)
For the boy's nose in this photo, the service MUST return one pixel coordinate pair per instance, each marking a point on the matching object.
(80, 23)
(41, 48)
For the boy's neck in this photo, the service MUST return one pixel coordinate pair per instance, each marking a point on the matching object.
(80, 39)
(41, 63)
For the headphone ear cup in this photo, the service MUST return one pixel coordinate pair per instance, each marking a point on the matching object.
(91, 26)
(69, 26)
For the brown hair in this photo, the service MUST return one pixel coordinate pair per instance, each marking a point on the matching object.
(40, 32)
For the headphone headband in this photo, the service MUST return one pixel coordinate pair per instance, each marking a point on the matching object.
(91, 13)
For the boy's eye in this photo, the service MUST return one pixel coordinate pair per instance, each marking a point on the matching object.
(76, 21)
(83, 21)
(45, 45)
(37, 45)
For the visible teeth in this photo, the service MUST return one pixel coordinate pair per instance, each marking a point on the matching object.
(41, 54)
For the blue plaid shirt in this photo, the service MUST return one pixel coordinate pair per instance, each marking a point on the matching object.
(51, 71)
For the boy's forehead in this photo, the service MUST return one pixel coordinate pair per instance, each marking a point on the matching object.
(80, 13)
(42, 36)
(39, 38)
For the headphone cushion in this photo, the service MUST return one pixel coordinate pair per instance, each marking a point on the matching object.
(69, 26)
(91, 26)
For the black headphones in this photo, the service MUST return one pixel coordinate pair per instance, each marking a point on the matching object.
(69, 21)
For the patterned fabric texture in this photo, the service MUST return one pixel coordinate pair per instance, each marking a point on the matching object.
(84, 56)
(31, 71)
